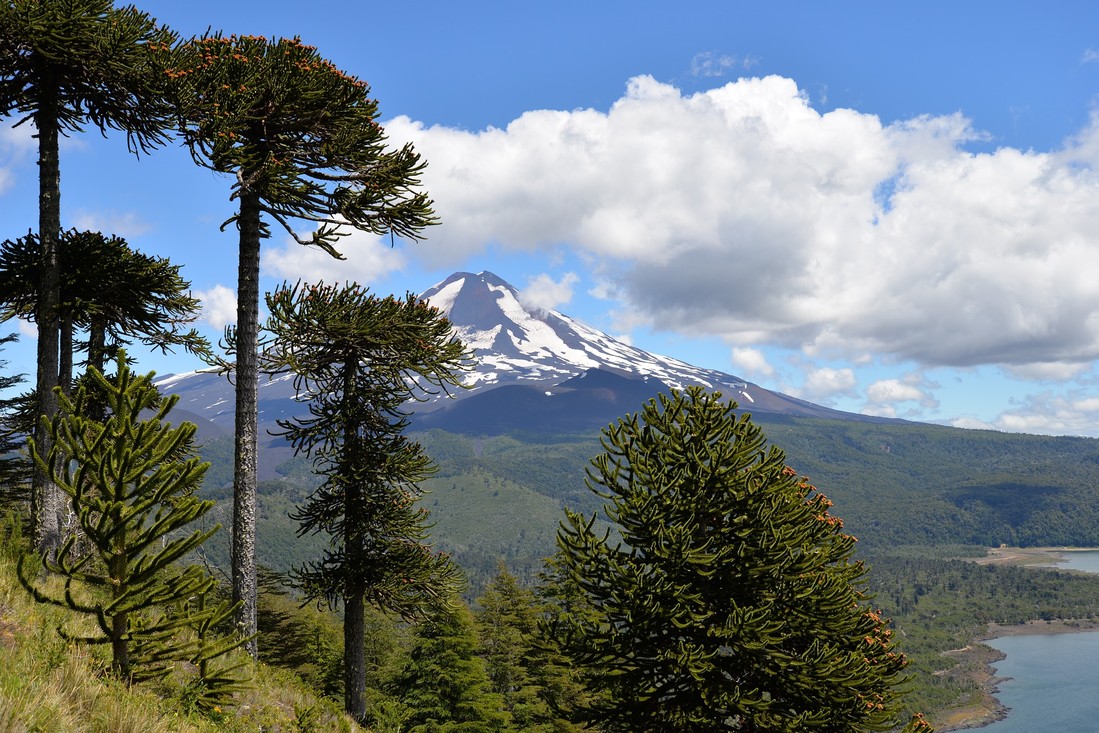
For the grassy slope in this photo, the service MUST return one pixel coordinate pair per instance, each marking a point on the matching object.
(50, 686)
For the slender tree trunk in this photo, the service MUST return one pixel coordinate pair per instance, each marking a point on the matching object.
(65, 354)
(47, 497)
(120, 622)
(354, 621)
(247, 376)
(354, 651)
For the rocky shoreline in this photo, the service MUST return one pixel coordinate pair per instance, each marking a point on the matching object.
(976, 659)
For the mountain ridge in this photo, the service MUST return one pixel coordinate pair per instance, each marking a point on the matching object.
(562, 375)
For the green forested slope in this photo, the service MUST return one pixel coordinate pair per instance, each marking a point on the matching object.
(893, 484)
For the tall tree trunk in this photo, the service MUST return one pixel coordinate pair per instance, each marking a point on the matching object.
(65, 354)
(354, 621)
(47, 496)
(120, 623)
(354, 650)
(247, 376)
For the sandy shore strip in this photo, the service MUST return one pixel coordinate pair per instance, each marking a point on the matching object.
(1028, 555)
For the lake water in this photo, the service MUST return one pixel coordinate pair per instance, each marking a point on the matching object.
(1085, 560)
(1054, 683)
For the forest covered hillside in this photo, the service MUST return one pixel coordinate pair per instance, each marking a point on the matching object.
(893, 484)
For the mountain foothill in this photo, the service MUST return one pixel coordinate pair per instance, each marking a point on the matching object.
(514, 445)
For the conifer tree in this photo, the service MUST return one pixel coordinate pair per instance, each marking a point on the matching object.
(64, 65)
(131, 483)
(108, 289)
(728, 600)
(445, 682)
(525, 673)
(301, 140)
(358, 358)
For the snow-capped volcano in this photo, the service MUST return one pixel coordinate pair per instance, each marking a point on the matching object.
(513, 342)
(534, 370)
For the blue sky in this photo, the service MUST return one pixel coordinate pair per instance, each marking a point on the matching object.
(885, 208)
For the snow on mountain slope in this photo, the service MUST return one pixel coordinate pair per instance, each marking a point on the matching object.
(515, 345)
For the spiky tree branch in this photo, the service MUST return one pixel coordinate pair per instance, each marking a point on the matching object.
(130, 482)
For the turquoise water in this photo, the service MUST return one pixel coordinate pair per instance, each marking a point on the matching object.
(1054, 683)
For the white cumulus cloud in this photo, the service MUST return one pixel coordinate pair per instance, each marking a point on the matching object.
(1056, 414)
(545, 293)
(367, 257)
(751, 362)
(743, 212)
(219, 305)
(824, 383)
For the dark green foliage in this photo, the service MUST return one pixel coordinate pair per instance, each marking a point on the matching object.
(82, 62)
(732, 602)
(445, 684)
(898, 484)
(535, 683)
(354, 355)
(65, 64)
(358, 359)
(927, 484)
(298, 133)
(301, 140)
(130, 482)
(216, 681)
(113, 292)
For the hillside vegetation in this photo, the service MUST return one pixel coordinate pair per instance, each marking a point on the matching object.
(50, 686)
(892, 484)
(923, 500)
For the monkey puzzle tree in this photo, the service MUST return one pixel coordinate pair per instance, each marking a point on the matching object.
(731, 601)
(64, 65)
(131, 483)
(301, 140)
(112, 291)
(358, 358)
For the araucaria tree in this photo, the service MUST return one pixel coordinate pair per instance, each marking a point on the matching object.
(64, 65)
(358, 358)
(301, 141)
(728, 600)
(108, 289)
(131, 482)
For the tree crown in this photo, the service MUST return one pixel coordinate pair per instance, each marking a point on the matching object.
(84, 61)
(298, 133)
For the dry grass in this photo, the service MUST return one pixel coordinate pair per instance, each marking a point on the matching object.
(48, 685)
